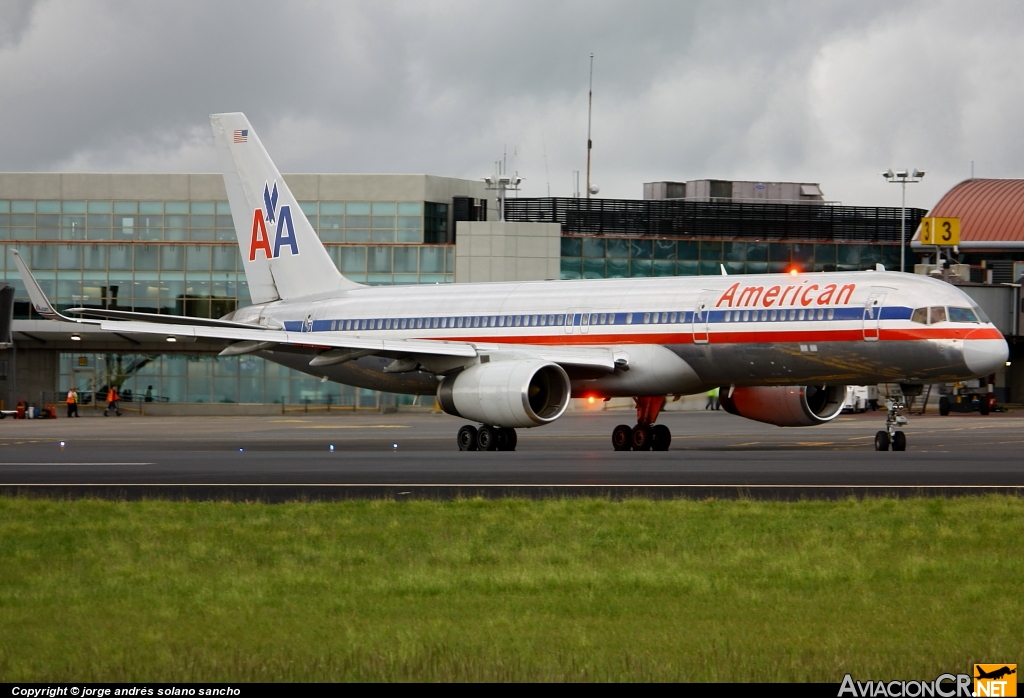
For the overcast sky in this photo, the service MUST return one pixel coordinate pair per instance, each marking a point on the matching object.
(797, 91)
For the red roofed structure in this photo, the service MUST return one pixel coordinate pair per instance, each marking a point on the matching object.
(991, 213)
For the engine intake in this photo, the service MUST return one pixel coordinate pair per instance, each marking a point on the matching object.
(786, 405)
(507, 393)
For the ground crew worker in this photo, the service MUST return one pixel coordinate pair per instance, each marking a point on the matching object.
(112, 399)
(72, 400)
(712, 399)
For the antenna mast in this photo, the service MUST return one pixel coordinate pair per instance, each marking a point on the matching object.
(590, 106)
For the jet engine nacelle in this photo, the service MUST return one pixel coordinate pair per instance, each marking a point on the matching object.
(525, 393)
(786, 405)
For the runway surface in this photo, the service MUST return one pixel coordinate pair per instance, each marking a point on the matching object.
(289, 456)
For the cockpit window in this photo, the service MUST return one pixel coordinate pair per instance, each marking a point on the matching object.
(962, 315)
(934, 314)
(981, 314)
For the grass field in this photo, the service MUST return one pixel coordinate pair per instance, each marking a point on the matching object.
(574, 589)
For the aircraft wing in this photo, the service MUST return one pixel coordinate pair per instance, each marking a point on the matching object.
(242, 338)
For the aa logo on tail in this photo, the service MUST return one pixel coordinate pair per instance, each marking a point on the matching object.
(995, 680)
(284, 235)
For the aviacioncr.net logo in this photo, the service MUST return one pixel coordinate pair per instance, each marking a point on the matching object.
(284, 234)
(945, 686)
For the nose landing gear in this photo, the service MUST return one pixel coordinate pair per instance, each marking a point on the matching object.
(646, 435)
(891, 436)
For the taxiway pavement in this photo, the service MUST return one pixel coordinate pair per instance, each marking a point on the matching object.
(390, 454)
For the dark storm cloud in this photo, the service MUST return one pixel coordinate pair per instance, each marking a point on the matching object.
(829, 92)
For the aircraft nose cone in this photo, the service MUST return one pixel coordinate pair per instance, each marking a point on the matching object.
(984, 356)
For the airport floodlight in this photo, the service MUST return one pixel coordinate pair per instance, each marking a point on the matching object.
(903, 178)
(594, 189)
(502, 182)
(76, 337)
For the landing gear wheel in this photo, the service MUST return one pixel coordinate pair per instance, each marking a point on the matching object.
(513, 439)
(487, 438)
(506, 439)
(944, 406)
(899, 441)
(661, 437)
(641, 438)
(467, 438)
(622, 437)
(881, 441)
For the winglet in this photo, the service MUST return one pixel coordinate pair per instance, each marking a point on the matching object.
(40, 302)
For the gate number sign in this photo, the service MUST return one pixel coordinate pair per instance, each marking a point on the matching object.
(944, 232)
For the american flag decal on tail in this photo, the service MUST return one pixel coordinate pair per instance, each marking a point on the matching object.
(242, 135)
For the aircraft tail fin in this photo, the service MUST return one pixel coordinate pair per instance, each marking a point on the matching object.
(281, 253)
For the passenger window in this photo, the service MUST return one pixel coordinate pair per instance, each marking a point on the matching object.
(560, 320)
(962, 315)
(476, 321)
(920, 315)
(773, 315)
(746, 315)
(647, 318)
(801, 315)
(831, 313)
(458, 322)
(936, 313)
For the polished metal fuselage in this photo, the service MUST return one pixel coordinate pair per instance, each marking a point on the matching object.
(687, 333)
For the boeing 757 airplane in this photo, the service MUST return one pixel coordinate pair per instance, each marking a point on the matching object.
(782, 347)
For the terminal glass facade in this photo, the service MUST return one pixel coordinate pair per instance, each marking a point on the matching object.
(182, 258)
(599, 257)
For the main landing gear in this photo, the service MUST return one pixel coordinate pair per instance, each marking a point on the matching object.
(646, 435)
(486, 438)
(891, 436)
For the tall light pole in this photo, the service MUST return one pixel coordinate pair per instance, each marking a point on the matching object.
(590, 106)
(903, 177)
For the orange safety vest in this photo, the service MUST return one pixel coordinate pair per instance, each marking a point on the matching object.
(71, 398)
(111, 395)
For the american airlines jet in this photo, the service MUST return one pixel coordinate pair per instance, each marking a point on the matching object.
(782, 347)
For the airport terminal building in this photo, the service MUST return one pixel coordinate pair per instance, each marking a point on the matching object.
(166, 243)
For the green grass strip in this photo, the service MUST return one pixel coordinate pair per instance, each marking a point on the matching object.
(573, 589)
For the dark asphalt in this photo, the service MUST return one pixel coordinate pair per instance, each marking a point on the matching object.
(713, 454)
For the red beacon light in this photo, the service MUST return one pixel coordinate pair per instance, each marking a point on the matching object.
(793, 271)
